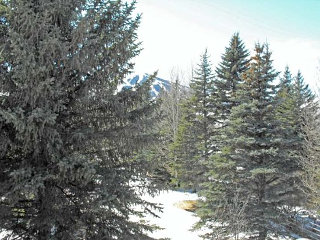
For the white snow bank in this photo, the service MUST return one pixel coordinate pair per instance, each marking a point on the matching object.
(176, 222)
(3, 233)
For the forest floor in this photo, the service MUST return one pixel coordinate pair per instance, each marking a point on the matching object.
(176, 222)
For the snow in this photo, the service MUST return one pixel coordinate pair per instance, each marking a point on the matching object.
(4, 233)
(136, 79)
(176, 223)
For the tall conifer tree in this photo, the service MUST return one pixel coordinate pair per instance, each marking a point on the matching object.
(304, 97)
(193, 141)
(234, 62)
(67, 136)
(310, 159)
(286, 111)
(171, 102)
(265, 171)
(306, 112)
(218, 188)
(295, 98)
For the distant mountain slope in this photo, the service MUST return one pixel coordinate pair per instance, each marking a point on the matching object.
(158, 84)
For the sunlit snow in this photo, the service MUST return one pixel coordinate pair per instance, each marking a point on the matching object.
(175, 222)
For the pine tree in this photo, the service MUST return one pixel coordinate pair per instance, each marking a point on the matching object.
(307, 121)
(286, 80)
(68, 137)
(294, 99)
(265, 170)
(218, 189)
(309, 158)
(192, 145)
(234, 62)
(297, 112)
(286, 111)
(304, 98)
(171, 102)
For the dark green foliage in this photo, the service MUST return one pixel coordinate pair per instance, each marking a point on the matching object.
(298, 112)
(266, 172)
(304, 98)
(3, 28)
(234, 62)
(256, 170)
(295, 98)
(286, 112)
(307, 120)
(171, 106)
(286, 80)
(254, 182)
(192, 145)
(310, 159)
(218, 187)
(67, 137)
(216, 210)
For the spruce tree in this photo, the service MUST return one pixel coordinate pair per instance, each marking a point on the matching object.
(310, 160)
(192, 145)
(218, 189)
(297, 112)
(286, 80)
(307, 121)
(304, 98)
(3, 20)
(295, 99)
(265, 170)
(234, 62)
(68, 137)
(286, 111)
(171, 102)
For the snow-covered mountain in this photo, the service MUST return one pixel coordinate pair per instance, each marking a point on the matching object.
(158, 85)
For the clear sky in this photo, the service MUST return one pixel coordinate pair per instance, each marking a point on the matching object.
(175, 32)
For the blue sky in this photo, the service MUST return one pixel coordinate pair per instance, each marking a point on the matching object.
(175, 32)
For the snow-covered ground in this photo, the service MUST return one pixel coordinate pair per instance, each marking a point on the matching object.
(3, 234)
(175, 222)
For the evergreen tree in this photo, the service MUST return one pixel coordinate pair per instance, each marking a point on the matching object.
(3, 31)
(171, 101)
(297, 113)
(286, 111)
(234, 62)
(307, 120)
(309, 158)
(296, 102)
(3, 20)
(304, 98)
(192, 145)
(218, 188)
(67, 136)
(286, 80)
(265, 170)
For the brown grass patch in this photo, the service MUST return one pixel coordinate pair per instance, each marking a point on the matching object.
(188, 205)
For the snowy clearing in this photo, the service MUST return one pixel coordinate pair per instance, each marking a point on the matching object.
(176, 222)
